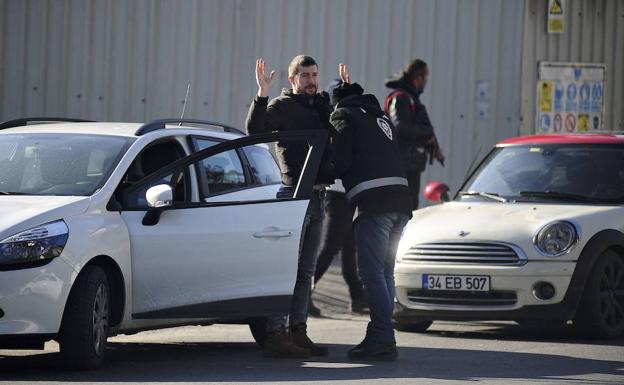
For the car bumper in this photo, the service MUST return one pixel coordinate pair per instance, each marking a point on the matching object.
(33, 300)
(510, 297)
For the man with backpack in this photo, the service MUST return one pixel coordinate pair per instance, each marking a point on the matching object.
(416, 137)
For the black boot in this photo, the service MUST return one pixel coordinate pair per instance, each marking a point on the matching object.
(373, 351)
(279, 344)
(301, 339)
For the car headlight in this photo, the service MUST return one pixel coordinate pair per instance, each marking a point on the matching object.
(38, 244)
(556, 238)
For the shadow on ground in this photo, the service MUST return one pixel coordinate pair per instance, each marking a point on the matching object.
(224, 362)
(509, 331)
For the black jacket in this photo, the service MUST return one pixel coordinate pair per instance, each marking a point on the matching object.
(366, 155)
(291, 111)
(411, 120)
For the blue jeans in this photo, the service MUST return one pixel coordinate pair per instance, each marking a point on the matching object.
(377, 238)
(308, 255)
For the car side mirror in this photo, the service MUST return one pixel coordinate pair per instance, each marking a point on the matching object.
(158, 197)
(437, 192)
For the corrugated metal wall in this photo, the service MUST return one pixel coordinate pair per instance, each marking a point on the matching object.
(594, 33)
(132, 60)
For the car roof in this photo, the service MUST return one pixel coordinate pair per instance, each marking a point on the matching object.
(563, 139)
(109, 128)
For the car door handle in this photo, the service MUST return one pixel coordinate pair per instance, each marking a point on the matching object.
(273, 234)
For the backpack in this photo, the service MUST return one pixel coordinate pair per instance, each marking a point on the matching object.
(396, 93)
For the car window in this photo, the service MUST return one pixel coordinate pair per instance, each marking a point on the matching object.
(263, 166)
(57, 164)
(592, 171)
(223, 172)
(151, 159)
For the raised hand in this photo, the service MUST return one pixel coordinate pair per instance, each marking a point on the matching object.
(343, 71)
(264, 82)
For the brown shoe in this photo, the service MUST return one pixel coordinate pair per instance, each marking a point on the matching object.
(279, 344)
(301, 339)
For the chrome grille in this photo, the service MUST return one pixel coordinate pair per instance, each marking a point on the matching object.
(473, 253)
(462, 298)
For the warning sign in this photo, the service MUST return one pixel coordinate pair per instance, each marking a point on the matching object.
(557, 123)
(571, 95)
(570, 123)
(583, 123)
(556, 18)
(546, 93)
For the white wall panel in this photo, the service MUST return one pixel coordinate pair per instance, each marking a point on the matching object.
(594, 33)
(132, 60)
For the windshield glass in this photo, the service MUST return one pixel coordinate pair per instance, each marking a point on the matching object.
(57, 164)
(589, 173)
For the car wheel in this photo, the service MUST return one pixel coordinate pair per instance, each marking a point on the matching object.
(85, 325)
(413, 326)
(601, 311)
(258, 328)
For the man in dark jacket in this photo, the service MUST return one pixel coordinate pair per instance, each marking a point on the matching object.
(366, 158)
(298, 108)
(416, 137)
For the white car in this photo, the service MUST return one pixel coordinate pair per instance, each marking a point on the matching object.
(534, 235)
(110, 228)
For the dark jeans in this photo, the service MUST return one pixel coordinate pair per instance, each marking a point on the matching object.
(377, 238)
(337, 236)
(306, 267)
(413, 179)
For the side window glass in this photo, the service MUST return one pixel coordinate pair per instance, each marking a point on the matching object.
(223, 172)
(148, 161)
(263, 165)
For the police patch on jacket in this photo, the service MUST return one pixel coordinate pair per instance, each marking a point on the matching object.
(385, 127)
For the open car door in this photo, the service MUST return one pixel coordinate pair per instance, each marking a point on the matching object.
(219, 258)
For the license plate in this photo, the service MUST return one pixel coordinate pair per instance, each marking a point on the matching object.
(456, 282)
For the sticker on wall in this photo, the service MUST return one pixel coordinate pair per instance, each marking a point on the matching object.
(557, 123)
(575, 92)
(583, 123)
(546, 121)
(546, 91)
(570, 123)
(556, 18)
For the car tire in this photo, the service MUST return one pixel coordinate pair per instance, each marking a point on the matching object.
(601, 311)
(258, 327)
(85, 324)
(413, 326)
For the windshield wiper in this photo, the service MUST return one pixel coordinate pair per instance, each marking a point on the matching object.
(11, 193)
(492, 196)
(558, 195)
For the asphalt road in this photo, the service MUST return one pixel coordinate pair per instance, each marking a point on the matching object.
(489, 353)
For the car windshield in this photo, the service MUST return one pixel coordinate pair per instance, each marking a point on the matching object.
(57, 164)
(570, 173)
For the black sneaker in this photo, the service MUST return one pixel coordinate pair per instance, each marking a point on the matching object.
(360, 305)
(373, 351)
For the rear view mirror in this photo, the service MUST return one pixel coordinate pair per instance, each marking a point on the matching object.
(437, 192)
(159, 196)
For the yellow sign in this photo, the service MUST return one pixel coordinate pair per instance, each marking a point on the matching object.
(546, 93)
(556, 8)
(556, 16)
(583, 122)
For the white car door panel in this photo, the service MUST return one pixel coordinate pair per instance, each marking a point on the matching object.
(233, 255)
(201, 255)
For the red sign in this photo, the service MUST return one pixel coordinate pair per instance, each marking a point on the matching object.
(570, 123)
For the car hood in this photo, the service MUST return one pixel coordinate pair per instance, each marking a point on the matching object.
(514, 223)
(19, 213)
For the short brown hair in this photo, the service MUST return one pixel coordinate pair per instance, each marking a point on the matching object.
(300, 60)
(415, 67)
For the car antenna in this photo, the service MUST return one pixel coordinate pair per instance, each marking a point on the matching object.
(188, 88)
(474, 160)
